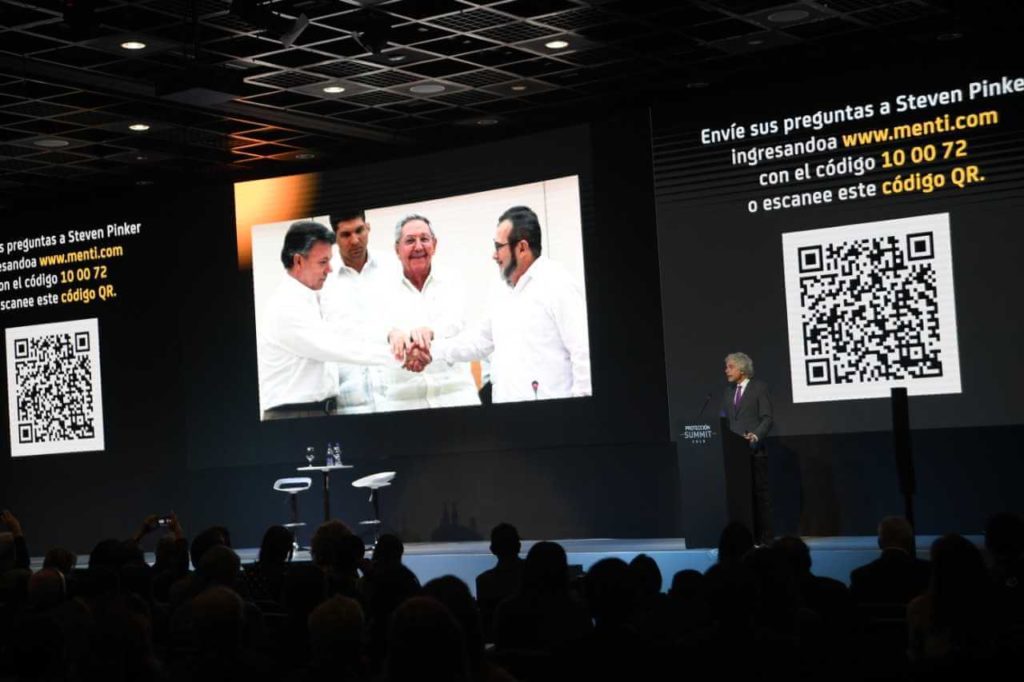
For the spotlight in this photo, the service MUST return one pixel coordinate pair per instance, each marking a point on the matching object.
(259, 14)
(372, 30)
(295, 30)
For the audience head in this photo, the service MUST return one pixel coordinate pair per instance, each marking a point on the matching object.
(956, 565)
(61, 559)
(895, 532)
(328, 546)
(646, 575)
(425, 643)
(505, 543)
(609, 590)
(796, 552)
(387, 587)
(353, 549)
(211, 537)
(734, 542)
(218, 617)
(546, 568)
(277, 546)
(220, 566)
(457, 598)
(106, 554)
(336, 630)
(686, 584)
(389, 549)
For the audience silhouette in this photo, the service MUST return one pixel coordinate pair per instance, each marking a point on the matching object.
(758, 612)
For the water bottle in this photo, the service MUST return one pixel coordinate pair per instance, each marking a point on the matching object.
(329, 455)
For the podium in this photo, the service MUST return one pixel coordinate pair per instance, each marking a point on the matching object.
(739, 490)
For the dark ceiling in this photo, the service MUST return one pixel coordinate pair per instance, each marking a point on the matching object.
(224, 99)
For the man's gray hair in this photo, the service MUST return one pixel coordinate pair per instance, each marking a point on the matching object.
(743, 363)
(408, 219)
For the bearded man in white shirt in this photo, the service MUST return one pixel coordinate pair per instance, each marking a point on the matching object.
(430, 305)
(297, 347)
(536, 334)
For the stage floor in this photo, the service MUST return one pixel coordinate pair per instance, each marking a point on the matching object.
(833, 557)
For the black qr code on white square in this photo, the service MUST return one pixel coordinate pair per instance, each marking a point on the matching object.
(55, 398)
(871, 307)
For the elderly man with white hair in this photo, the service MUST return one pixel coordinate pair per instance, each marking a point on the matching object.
(424, 305)
(748, 406)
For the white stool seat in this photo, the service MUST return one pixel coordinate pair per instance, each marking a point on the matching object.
(295, 484)
(374, 481)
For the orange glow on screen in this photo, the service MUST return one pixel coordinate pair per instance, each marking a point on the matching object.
(269, 201)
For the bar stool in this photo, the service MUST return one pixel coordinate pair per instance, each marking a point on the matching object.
(293, 486)
(374, 482)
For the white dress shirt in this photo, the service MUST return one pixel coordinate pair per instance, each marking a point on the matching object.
(355, 300)
(297, 348)
(537, 332)
(438, 306)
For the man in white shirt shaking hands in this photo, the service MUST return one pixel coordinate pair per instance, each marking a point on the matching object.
(297, 347)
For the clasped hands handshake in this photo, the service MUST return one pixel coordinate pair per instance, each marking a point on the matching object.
(412, 347)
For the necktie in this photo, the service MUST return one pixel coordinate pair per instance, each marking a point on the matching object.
(739, 394)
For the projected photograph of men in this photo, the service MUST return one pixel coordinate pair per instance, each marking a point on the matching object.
(428, 279)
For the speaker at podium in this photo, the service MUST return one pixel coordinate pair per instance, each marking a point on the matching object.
(736, 456)
(737, 459)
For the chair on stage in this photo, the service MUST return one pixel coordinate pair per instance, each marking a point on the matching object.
(374, 482)
(293, 486)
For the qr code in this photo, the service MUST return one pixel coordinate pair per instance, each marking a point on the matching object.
(55, 401)
(871, 307)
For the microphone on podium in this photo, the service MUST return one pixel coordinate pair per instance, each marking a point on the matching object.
(707, 399)
(535, 384)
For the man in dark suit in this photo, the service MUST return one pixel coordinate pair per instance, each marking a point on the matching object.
(897, 576)
(748, 406)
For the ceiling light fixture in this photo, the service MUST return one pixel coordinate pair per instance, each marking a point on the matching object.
(334, 89)
(139, 127)
(305, 156)
(788, 16)
(133, 45)
(556, 44)
(427, 89)
(518, 88)
(486, 121)
(51, 143)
